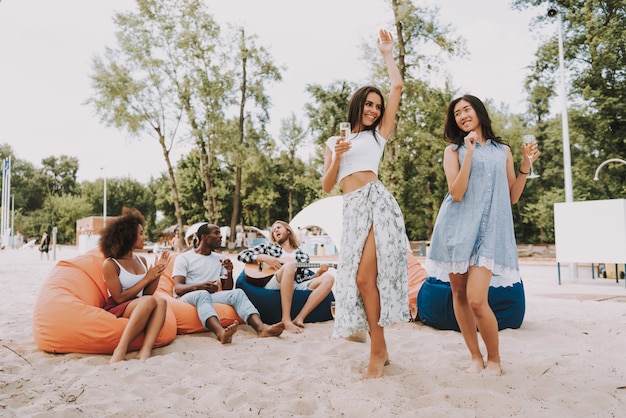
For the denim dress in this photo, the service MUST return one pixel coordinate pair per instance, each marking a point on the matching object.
(478, 230)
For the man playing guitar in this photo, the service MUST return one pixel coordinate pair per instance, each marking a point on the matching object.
(283, 255)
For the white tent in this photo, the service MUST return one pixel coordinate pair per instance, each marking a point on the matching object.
(192, 231)
(326, 214)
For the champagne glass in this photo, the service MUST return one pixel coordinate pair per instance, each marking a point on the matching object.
(528, 141)
(345, 130)
(332, 309)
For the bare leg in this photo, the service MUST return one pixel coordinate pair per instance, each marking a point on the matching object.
(465, 319)
(366, 282)
(477, 296)
(138, 313)
(263, 330)
(286, 276)
(153, 328)
(321, 287)
(225, 335)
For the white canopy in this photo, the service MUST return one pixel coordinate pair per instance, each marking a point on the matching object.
(192, 230)
(326, 214)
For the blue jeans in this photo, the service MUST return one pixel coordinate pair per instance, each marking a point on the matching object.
(203, 301)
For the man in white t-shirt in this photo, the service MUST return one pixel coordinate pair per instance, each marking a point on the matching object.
(282, 254)
(203, 277)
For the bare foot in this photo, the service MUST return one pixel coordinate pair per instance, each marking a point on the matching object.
(293, 328)
(272, 330)
(117, 356)
(375, 367)
(493, 368)
(143, 356)
(227, 336)
(476, 366)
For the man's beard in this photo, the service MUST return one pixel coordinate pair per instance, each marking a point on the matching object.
(282, 239)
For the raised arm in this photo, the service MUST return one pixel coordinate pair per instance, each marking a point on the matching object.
(385, 46)
(518, 182)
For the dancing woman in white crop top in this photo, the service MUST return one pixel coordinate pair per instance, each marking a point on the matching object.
(372, 279)
(131, 284)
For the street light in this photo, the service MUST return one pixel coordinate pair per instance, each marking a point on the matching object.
(612, 160)
(104, 203)
(567, 162)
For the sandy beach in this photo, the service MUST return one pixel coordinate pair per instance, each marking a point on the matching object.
(566, 360)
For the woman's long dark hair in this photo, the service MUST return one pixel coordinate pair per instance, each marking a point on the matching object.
(357, 104)
(451, 131)
(120, 234)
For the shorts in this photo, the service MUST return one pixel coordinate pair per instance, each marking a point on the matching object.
(274, 285)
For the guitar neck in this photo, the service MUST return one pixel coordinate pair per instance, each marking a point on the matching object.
(262, 270)
(314, 265)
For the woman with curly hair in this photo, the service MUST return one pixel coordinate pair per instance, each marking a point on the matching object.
(131, 283)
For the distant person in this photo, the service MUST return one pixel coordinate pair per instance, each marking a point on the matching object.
(203, 277)
(473, 239)
(19, 240)
(131, 283)
(371, 290)
(44, 246)
(240, 237)
(176, 241)
(282, 254)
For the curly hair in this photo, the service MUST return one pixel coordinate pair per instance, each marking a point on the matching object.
(120, 234)
(451, 131)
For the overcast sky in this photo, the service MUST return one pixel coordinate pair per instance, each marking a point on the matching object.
(46, 49)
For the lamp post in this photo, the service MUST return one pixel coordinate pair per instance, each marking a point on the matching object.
(567, 162)
(612, 160)
(104, 203)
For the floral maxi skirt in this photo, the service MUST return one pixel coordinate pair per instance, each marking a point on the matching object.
(367, 207)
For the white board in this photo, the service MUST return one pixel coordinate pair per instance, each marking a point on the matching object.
(592, 231)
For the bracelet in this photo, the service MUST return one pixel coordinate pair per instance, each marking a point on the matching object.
(521, 172)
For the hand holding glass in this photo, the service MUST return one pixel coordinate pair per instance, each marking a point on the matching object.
(528, 141)
(345, 130)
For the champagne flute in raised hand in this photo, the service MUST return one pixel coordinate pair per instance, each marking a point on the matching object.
(345, 130)
(528, 141)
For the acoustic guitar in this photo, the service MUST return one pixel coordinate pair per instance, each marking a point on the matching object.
(258, 274)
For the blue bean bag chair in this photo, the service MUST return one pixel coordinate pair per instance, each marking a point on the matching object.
(434, 305)
(269, 305)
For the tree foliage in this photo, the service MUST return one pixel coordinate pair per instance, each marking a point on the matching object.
(175, 74)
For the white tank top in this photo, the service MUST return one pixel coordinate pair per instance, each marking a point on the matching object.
(364, 155)
(127, 279)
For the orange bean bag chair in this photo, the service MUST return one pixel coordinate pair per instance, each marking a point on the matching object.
(68, 315)
(417, 277)
(187, 320)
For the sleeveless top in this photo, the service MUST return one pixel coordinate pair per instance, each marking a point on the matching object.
(127, 279)
(478, 230)
(364, 155)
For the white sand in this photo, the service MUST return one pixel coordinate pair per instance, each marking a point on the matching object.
(567, 359)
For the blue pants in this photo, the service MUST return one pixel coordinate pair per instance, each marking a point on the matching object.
(203, 301)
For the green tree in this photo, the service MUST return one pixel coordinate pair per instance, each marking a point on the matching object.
(122, 192)
(292, 137)
(59, 174)
(62, 211)
(255, 71)
(204, 80)
(132, 84)
(595, 58)
(26, 185)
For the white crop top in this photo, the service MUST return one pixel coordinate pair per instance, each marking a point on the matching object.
(364, 155)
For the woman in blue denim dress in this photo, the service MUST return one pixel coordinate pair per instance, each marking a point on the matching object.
(473, 243)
